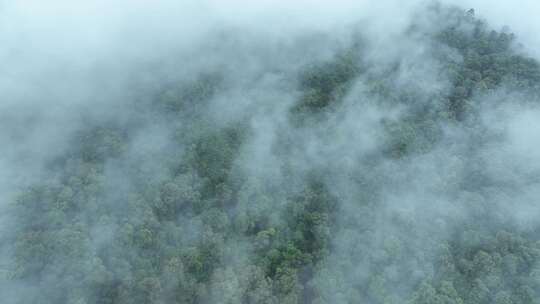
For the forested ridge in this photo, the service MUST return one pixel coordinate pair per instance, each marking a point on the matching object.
(355, 180)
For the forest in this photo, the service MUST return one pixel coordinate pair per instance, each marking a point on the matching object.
(284, 171)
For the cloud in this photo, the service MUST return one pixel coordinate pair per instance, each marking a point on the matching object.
(74, 68)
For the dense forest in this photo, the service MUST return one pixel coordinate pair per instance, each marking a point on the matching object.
(313, 170)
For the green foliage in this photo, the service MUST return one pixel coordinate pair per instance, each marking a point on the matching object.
(324, 85)
(98, 229)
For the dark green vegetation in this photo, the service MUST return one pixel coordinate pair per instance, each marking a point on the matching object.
(123, 217)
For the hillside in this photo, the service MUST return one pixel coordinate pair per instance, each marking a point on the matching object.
(314, 168)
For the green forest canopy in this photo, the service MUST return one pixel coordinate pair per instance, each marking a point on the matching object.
(185, 223)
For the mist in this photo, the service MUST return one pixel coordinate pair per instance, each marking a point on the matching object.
(269, 152)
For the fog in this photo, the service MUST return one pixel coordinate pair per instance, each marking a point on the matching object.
(269, 152)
